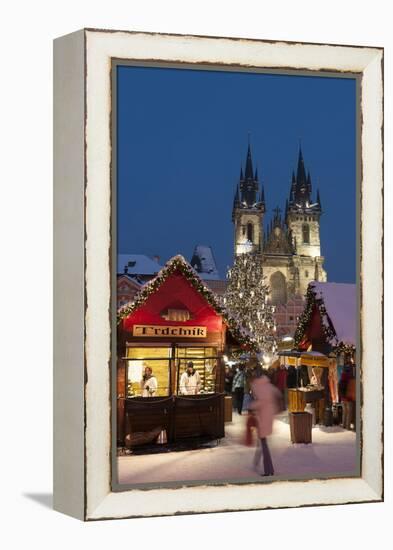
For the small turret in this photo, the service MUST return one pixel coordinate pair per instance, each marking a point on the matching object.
(319, 200)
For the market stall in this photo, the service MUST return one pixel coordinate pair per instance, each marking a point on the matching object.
(328, 325)
(171, 342)
(306, 383)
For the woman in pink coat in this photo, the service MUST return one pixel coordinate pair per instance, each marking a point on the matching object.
(265, 406)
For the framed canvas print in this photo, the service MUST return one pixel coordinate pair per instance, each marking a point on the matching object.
(218, 274)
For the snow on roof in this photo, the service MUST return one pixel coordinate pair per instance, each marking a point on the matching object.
(130, 278)
(341, 307)
(137, 264)
(204, 264)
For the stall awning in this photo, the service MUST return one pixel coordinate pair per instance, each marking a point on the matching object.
(314, 359)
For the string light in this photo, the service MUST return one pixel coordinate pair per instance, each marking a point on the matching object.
(246, 300)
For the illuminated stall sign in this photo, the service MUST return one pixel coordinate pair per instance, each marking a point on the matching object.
(158, 331)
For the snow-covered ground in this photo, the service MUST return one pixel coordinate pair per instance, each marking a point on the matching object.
(333, 451)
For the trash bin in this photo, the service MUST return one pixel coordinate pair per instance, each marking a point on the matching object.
(301, 427)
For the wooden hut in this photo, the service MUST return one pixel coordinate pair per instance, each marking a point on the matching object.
(174, 320)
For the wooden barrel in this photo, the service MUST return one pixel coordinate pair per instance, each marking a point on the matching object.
(296, 400)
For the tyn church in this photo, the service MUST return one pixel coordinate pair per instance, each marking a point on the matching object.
(290, 248)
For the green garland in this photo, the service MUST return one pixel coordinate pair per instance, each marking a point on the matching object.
(345, 348)
(178, 263)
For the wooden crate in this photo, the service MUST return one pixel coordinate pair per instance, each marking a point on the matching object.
(301, 427)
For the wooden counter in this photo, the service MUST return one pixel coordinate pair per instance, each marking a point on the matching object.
(181, 416)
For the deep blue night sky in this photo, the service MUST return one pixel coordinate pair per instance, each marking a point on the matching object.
(182, 135)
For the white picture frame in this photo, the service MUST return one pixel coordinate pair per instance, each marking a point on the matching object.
(82, 247)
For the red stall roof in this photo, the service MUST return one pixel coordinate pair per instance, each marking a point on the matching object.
(178, 285)
(331, 310)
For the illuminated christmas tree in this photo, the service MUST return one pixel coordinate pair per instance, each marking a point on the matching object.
(246, 300)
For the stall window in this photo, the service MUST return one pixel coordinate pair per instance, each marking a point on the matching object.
(158, 359)
(204, 360)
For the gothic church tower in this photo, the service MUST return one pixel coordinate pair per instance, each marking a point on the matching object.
(302, 215)
(303, 222)
(248, 211)
(290, 250)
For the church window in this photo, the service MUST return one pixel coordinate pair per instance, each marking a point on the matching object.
(244, 229)
(278, 288)
(250, 231)
(306, 233)
(306, 273)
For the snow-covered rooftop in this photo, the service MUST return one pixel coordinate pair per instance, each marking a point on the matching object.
(204, 264)
(341, 307)
(137, 264)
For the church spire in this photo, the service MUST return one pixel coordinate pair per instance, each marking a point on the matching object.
(249, 186)
(292, 189)
(301, 179)
(249, 171)
(300, 192)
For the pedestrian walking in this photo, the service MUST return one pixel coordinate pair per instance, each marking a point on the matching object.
(238, 388)
(265, 406)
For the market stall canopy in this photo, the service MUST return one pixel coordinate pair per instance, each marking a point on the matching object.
(290, 353)
(314, 359)
(290, 356)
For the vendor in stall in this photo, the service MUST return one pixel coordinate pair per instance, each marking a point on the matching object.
(148, 383)
(190, 381)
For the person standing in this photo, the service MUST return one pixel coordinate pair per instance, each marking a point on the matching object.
(190, 381)
(265, 406)
(348, 393)
(228, 380)
(238, 384)
(148, 383)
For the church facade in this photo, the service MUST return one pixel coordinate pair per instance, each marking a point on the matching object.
(289, 248)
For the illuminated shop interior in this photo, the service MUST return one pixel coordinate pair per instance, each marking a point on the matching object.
(168, 364)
